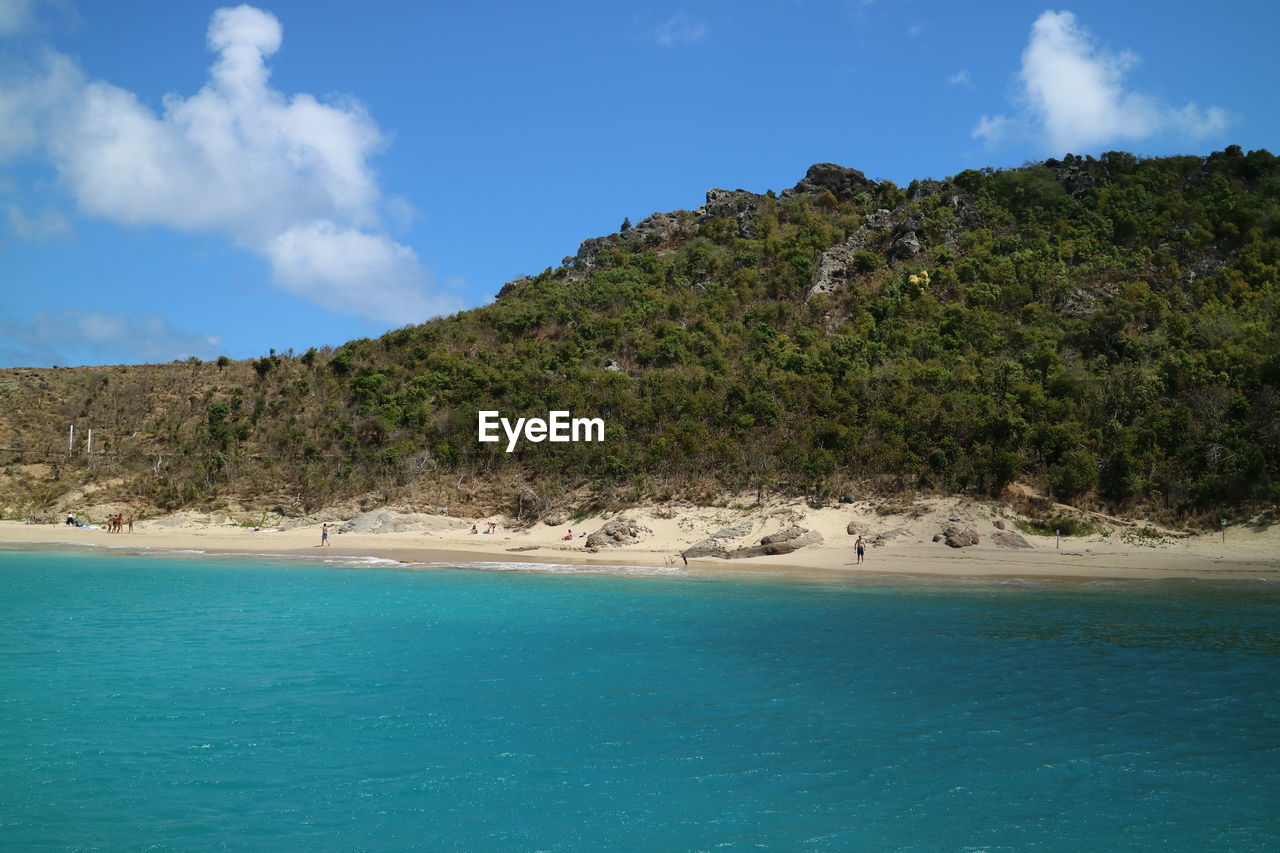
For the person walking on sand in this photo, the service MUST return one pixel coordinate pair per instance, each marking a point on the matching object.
(861, 547)
(324, 535)
(71, 519)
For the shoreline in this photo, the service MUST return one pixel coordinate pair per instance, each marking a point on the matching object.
(447, 542)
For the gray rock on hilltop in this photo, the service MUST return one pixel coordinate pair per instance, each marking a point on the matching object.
(840, 180)
(906, 246)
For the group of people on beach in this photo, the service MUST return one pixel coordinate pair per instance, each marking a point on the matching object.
(489, 527)
(117, 523)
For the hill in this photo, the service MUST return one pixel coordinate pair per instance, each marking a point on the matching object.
(1105, 332)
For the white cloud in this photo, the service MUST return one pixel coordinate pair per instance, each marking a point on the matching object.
(680, 28)
(28, 103)
(994, 129)
(237, 158)
(45, 225)
(960, 78)
(15, 16)
(1072, 95)
(321, 258)
(1196, 123)
(74, 337)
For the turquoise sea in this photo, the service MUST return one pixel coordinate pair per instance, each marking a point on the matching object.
(196, 703)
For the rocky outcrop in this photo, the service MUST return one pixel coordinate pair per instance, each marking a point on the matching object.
(383, 521)
(795, 531)
(706, 548)
(783, 542)
(840, 180)
(1076, 174)
(906, 244)
(1009, 539)
(835, 267)
(739, 206)
(888, 536)
(928, 187)
(652, 231)
(959, 537)
(616, 533)
(737, 531)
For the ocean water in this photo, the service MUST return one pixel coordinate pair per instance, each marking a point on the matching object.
(198, 703)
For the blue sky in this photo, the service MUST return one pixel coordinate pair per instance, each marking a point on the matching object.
(197, 178)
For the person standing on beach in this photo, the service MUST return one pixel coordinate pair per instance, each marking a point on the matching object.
(324, 535)
(71, 519)
(861, 547)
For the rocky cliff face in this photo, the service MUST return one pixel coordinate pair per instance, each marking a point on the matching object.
(739, 206)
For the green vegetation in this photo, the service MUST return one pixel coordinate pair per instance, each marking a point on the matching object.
(1059, 526)
(1106, 330)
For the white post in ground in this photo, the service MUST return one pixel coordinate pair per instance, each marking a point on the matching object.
(88, 446)
(71, 437)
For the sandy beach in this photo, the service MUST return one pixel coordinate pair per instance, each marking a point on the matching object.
(904, 542)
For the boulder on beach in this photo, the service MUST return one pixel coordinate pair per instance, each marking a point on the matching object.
(1009, 539)
(383, 521)
(709, 547)
(795, 531)
(884, 538)
(616, 533)
(737, 531)
(784, 542)
(960, 537)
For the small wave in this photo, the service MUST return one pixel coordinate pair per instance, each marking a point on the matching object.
(559, 568)
(364, 561)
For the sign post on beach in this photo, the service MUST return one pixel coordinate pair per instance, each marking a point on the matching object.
(1223, 522)
(1057, 538)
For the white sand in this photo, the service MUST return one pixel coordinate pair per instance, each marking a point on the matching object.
(1250, 550)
